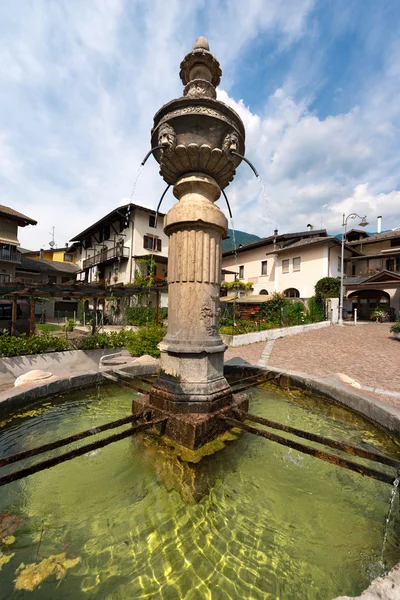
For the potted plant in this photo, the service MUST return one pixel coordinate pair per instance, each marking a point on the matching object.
(395, 329)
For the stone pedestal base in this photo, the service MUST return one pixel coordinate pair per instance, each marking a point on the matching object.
(192, 430)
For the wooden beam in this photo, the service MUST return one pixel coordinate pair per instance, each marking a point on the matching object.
(14, 315)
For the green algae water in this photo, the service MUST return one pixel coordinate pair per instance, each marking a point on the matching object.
(269, 522)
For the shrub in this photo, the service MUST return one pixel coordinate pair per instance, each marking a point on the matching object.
(36, 344)
(315, 311)
(114, 339)
(144, 315)
(71, 324)
(146, 341)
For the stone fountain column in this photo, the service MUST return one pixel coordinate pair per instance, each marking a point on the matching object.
(193, 138)
(192, 353)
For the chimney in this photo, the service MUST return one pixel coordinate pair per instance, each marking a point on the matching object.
(379, 225)
(275, 232)
(310, 227)
(41, 253)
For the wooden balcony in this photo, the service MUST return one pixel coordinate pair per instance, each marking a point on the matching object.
(9, 256)
(107, 255)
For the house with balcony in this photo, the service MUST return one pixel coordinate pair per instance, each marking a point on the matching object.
(122, 247)
(372, 277)
(10, 257)
(289, 263)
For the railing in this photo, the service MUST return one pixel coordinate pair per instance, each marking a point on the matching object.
(10, 256)
(106, 255)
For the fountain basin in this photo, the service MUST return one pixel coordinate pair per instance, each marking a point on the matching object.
(252, 519)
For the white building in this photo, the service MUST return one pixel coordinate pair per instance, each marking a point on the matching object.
(112, 248)
(289, 263)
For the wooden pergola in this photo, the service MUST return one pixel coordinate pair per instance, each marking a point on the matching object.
(96, 292)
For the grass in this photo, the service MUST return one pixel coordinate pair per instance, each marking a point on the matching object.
(46, 327)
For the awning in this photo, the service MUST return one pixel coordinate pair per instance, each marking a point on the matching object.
(9, 237)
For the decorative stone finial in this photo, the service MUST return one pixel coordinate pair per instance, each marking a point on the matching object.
(201, 42)
(200, 71)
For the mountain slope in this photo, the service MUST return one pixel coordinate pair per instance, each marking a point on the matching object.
(241, 238)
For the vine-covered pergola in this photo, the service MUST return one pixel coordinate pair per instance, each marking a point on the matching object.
(80, 291)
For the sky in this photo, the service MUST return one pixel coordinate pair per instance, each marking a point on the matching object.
(316, 82)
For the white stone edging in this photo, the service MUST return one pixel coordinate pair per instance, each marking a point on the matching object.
(270, 334)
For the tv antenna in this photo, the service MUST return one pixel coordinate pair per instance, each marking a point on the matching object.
(52, 242)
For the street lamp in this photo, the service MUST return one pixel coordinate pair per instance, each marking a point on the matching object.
(363, 223)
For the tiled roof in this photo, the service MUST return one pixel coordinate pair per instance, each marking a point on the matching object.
(114, 215)
(14, 214)
(308, 242)
(280, 237)
(46, 266)
(377, 237)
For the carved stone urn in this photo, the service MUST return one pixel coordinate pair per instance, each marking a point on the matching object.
(195, 136)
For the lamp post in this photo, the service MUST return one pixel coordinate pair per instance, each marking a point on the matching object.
(363, 223)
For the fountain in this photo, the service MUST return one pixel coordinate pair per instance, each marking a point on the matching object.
(109, 524)
(198, 142)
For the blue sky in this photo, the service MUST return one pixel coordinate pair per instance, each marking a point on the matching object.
(316, 82)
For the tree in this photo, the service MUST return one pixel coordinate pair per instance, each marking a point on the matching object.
(327, 287)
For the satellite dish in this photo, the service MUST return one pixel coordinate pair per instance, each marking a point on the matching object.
(52, 244)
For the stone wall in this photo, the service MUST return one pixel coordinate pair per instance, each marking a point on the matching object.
(270, 334)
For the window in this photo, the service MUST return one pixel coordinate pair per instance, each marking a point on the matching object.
(52, 278)
(65, 279)
(292, 293)
(395, 243)
(241, 272)
(152, 221)
(339, 264)
(285, 265)
(296, 263)
(67, 257)
(5, 278)
(264, 293)
(152, 243)
(264, 267)
(5, 311)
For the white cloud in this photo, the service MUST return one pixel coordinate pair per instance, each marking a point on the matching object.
(81, 81)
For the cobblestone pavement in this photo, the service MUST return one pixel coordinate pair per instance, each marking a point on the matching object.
(250, 353)
(365, 352)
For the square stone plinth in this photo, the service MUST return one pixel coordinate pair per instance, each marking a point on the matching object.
(192, 430)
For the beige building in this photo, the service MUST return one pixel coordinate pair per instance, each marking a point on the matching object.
(372, 277)
(10, 257)
(290, 263)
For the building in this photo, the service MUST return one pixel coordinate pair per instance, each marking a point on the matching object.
(39, 270)
(289, 263)
(10, 257)
(125, 246)
(54, 254)
(372, 276)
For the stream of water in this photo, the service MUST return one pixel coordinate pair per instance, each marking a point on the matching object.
(387, 520)
(136, 180)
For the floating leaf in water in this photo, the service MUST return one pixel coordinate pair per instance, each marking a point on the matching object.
(5, 558)
(32, 575)
(9, 523)
(8, 540)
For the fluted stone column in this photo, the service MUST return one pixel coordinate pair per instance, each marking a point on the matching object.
(192, 353)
